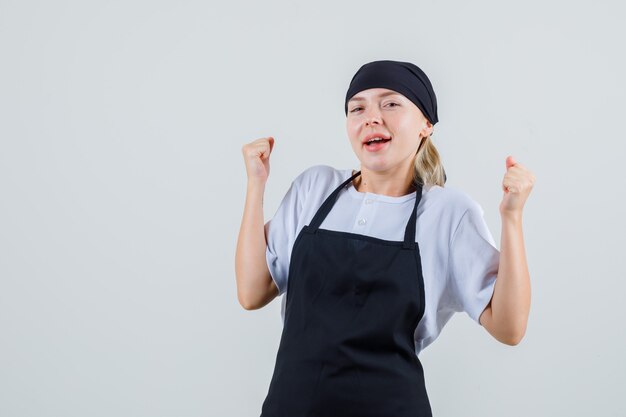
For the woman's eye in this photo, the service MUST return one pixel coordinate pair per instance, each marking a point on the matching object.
(393, 104)
(354, 109)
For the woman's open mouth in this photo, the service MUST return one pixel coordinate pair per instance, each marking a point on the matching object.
(376, 144)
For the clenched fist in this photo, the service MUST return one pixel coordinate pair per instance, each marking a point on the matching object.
(517, 183)
(256, 155)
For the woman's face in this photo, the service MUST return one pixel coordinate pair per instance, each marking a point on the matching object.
(390, 115)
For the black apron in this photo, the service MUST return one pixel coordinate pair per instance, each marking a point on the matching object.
(347, 346)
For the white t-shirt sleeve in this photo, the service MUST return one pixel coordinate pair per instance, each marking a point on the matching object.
(280, 234)
(473, 263)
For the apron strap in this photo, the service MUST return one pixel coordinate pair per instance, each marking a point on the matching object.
(409, 233)
(328, 205)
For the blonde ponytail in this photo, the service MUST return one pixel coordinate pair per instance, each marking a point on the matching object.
(428, 167)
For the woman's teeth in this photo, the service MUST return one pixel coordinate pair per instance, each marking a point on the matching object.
(377, 140)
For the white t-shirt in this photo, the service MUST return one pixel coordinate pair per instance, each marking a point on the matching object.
(458, 253)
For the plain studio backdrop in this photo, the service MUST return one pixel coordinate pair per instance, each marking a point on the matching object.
(122, 188)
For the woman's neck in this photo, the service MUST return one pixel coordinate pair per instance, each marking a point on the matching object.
(383, 184)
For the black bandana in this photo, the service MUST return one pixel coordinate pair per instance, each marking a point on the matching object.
(402, 77)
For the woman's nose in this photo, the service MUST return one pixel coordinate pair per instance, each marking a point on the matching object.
(372, 116)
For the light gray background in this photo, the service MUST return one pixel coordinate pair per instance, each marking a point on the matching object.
(122, 187)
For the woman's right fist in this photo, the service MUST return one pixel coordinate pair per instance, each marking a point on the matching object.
(256, 155)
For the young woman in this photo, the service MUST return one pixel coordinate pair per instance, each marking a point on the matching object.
(374, 262)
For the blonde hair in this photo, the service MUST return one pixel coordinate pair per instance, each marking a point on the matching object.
(428, 169)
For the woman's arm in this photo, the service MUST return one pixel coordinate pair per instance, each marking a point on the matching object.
(255, 287)
(506, 316)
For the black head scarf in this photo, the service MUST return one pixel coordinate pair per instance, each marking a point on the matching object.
(403, 77)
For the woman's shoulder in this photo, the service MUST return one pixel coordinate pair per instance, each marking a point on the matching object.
(452, 199)
(320, 177)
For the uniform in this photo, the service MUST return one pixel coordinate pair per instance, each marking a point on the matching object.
(410, 264)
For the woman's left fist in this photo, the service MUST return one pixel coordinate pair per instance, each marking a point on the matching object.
(517, 184)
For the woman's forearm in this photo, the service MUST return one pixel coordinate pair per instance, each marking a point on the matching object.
(510, 305)
(252, 274)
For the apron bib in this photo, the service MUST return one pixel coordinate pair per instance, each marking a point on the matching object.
(347, 347)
